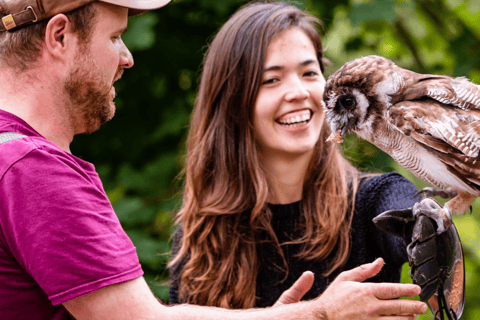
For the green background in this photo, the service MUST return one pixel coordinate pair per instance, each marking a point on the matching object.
(139, 155)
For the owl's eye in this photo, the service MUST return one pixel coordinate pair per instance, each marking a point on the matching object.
(346, 103)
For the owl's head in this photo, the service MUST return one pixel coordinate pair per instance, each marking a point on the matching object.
(351, 94)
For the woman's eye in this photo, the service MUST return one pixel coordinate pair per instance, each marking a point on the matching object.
(270, 81)
(311, 74)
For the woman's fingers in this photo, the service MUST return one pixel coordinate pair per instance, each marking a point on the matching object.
(387, 291)
(363, 272)
(297, 290)
(401, 307)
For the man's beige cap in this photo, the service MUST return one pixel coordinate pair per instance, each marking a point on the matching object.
(19, 13)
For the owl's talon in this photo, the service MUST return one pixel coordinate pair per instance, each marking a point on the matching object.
(431, 192)
(430, 208)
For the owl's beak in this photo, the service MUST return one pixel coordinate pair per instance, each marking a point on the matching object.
(336, 126)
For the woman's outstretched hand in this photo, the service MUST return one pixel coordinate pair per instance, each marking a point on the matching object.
(348, 297)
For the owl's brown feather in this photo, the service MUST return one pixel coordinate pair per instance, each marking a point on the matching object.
(436, 124)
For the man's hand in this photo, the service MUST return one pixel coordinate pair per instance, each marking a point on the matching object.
(349, 298)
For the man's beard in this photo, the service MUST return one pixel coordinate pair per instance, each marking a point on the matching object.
(89, 96)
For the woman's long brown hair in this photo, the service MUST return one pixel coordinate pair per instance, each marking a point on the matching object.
(225, 198)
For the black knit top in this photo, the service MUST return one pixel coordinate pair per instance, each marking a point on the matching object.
(376, 195)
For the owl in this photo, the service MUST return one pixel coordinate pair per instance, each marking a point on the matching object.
(429, 124)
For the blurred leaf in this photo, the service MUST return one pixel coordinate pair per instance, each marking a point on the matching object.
(158, 286)
(469, 13)
(354, 44)
(132, 212)
(153, 176)
(221, 7)
(372, 11)
(469, 229)
(151, 252)
(140, 34)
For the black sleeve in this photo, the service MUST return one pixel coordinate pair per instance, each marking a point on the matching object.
(175, 270)
(377, 195)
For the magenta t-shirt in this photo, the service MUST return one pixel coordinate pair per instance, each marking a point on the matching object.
(59, 236)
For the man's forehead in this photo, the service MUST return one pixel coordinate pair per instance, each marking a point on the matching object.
(112, 18)
(19, 13)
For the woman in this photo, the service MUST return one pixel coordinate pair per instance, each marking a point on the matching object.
(266, 198)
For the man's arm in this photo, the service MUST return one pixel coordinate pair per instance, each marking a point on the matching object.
(346, 298)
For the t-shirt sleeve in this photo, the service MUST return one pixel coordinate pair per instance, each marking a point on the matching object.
(61, 228)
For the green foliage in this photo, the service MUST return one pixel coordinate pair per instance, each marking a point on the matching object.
(140, 154)
(372, 11)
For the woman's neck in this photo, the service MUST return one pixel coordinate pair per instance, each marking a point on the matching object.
(285, 177)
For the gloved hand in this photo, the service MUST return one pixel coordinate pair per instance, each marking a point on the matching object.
(436, 260)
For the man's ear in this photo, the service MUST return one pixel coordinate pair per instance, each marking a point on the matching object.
(59, 38)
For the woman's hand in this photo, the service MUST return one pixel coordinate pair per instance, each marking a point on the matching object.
(349, 298)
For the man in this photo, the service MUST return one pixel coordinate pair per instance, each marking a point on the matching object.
(63, 252)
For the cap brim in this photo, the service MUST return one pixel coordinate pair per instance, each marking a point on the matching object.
(138, 6)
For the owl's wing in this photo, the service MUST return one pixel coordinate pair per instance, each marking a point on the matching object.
(452, 132)
(466, 95)
(458, 92)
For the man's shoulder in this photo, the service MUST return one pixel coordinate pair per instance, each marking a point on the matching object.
(29, 151)
(14, 151)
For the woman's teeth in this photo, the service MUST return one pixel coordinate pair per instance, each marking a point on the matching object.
(295, 119)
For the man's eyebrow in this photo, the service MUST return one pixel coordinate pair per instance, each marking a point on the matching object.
(302, 64)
